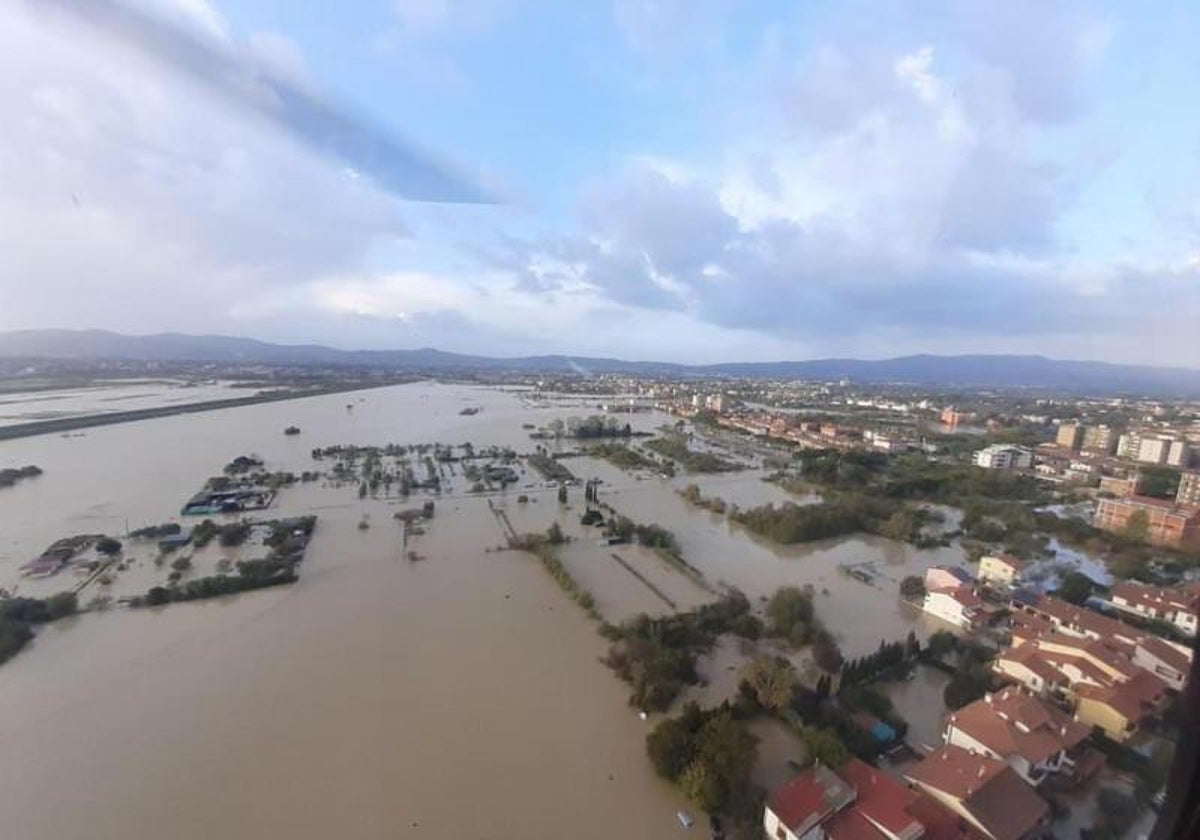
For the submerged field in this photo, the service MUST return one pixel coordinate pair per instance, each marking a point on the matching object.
(377, 694)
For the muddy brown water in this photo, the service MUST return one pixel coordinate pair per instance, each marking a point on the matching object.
(459, 696)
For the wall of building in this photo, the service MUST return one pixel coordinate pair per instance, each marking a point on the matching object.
(1095, 713)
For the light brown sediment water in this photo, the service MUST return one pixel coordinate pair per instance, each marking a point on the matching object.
(919, 701)
(455, 697)
(859, 614)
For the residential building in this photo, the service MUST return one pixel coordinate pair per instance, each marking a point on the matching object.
(857, 802)
(1001, 456)
(1168, 661)
(946, 577)
(1129, 444)
(1166, 522)
(958, 605)
(1178, 606)
(1119, 486)
(1100, 439)
(1027, 666)
(1180, 454)
(1153, 450)
(1033, 737)
(953, 417)
(1121, 709)
(984, 791)
(1072, 620)
(1189, 488)
(1070, 436)
(1103, 683)
(1001, 569)
(797, 809)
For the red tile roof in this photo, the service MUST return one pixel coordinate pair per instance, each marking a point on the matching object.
(1029, 656)
(1082, 621)
(955, 771)
(1167, 653)
(1135, 698)
(881, 799)
(940, 822)
(809, 798)
(989, 790)
(1014, 722)
(1162, 599)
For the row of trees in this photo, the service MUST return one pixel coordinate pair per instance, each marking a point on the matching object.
(693, 495)
(887, 658)
(652, 536)
(252, 574)
(843, 514)
(17, 615)
(622, 456)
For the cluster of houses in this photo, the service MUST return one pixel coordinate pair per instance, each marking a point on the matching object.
(1113, 675)
(806, 433)
(954, 794)
(229, 500)
(1068, 671)
(60, 554)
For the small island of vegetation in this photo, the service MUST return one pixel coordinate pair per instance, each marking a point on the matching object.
(10, 476)
(674, 446)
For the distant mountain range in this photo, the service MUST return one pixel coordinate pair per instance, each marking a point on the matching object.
(984, 371)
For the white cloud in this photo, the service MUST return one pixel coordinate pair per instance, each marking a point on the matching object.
(134, 200)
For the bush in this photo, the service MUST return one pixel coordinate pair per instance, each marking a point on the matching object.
(233, 534)
(108, 546)
(61, 605)
(1075, 588)
(912, 588)
(709, 754)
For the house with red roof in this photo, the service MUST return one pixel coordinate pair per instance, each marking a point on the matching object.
(799, 808)
(985, 792)
(958, 605)
(1121, 708)
(1168, 661)
(1078, 621)
(858, 802)
(1034, 738)
(1179, 606)
(1000, 569)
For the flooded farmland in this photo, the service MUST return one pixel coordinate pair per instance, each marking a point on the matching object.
(458, 696)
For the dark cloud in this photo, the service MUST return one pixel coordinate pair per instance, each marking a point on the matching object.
(397, 165)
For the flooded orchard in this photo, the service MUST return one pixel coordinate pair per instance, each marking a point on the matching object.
(458, 696)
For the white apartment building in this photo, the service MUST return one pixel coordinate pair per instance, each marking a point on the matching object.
(1000, 456)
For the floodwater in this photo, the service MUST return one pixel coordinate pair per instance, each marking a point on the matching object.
(110, 397)
(728, 554)
(919, 701)
(458, 696)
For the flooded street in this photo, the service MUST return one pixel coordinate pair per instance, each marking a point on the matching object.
(459, 696)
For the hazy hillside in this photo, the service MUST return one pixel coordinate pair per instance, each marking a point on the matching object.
(972, 370)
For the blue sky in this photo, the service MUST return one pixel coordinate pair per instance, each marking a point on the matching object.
(706, 180)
